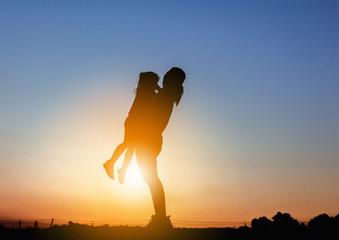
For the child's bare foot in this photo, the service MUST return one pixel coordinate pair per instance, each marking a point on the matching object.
(109, 167)
(122, 173)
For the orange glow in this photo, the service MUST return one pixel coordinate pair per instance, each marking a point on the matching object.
(62, 175)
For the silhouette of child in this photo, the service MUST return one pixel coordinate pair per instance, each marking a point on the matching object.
(144, 94)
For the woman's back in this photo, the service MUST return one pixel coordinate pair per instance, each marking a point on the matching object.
(163, 107)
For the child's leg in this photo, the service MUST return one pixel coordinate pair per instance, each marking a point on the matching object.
(128, 158)
(118, 151)
(109, 164)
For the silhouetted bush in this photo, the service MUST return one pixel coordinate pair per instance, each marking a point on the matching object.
(324, 225)
(283, 222)
(261, 224)
(283, 225)
(336, 220)
(323, 221)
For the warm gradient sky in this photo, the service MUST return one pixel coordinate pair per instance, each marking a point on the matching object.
(257, 130)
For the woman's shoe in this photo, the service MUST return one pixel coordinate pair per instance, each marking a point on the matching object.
(161, 223)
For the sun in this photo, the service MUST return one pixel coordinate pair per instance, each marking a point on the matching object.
(134, 185)
(133, 176)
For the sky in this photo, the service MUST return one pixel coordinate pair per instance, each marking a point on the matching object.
(256, 132)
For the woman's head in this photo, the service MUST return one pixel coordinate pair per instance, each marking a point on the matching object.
(176, 75)
(173, 81)
(148, 81)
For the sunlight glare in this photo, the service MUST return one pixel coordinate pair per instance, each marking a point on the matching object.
(133, 176)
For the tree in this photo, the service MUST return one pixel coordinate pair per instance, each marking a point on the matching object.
(261, 224)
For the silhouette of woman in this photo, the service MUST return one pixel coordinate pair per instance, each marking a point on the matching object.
(150, 142)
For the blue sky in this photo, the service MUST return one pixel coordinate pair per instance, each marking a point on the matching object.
(261, 95)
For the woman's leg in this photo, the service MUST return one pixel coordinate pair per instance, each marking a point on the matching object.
(148, 169)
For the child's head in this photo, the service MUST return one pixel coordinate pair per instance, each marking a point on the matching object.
(148, 81)
(173, 81)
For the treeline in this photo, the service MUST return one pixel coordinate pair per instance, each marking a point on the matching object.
(281, 226)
